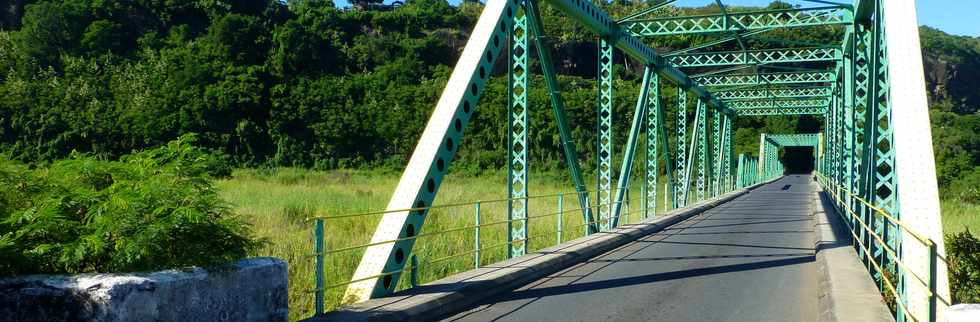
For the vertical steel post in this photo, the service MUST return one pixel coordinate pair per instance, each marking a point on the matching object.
(414, 277)
(476, 235)
(517, 134)
(561, 211)
(652, 128)
(318, 249)
(680, 193)
(686, 189)
(605, 136)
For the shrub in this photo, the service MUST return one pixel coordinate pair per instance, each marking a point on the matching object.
(150, 210)
(963, 260)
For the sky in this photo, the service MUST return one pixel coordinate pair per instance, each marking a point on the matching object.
(956, 17)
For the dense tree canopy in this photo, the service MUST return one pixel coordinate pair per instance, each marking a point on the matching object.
(305, 83)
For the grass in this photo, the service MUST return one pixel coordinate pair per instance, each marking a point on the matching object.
(278, 202)
(959, 216)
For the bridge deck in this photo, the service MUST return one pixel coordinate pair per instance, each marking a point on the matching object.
(751, 259)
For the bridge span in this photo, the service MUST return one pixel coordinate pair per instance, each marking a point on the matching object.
(750, 259)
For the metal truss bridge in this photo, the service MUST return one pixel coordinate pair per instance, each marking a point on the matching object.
(873, 158)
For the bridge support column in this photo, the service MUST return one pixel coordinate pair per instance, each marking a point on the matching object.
(653, 130)
(680, 192)
(605, 136)
(517, 166)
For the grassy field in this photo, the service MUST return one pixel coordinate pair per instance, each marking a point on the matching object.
(959, 216)
(278, 203)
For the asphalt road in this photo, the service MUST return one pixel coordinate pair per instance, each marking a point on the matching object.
(751, 259)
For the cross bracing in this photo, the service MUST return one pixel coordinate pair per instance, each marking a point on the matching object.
(866, 89)
(771, 111)
(767, 78)
(772, 103)
(835, 15)
(757, 56)
(748, 94)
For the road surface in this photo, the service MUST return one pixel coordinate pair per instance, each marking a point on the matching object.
(751, 259)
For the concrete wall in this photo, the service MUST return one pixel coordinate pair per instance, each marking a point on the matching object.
(248, 290)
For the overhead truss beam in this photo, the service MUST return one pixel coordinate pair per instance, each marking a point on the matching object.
(819, 102)
(760, 56)
(771, 111)
(740, 21)
(803, 92)
(596, 20)
(767, 78)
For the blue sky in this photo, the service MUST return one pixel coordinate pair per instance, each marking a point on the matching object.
(958, 17)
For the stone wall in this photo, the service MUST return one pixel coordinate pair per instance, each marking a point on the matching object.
(248, 290)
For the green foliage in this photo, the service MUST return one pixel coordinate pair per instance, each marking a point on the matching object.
(152, 209)
(303, 83)
(963, 259)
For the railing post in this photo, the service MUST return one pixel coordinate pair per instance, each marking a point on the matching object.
(318, 249)
(933, 257)
(561, 201)
(626, 206)
(476, 236)
(415, 271)
(588, 204)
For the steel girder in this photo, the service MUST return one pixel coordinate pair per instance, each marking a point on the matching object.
(781, 111)
(768, 78)
(759, 56)
(604, 142)
(517, 131)
(653, 128)
(681, 148)
(740, 21)
(785, 140)
(803, 92)
(789, 103)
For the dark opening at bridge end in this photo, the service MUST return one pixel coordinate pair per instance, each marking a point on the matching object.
(798, 159)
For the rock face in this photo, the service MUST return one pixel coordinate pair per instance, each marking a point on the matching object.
(248, 290)
(946, 80)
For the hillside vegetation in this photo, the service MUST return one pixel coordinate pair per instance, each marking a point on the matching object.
(268, 84)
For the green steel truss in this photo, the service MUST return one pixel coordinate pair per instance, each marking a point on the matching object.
(741, 21)
(867, 90)
(751, 94)
(604, 142)
(759, 56)
(517, 114)
(781, 111)
(767, 78)
(777, 103)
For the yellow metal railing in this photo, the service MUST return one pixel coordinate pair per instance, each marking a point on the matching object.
(890, 286)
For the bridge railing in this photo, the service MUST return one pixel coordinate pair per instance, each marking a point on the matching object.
(476, 225)
(867, 240)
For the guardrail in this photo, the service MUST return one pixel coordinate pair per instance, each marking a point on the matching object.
(889, 254)
(320, 223)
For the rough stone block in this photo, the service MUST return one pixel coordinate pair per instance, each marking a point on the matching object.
(248, 290)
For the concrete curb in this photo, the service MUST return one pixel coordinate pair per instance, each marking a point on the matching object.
(458, 292)
(845, 289)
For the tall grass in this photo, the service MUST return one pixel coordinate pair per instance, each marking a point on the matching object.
(278, 203)
(959, 215)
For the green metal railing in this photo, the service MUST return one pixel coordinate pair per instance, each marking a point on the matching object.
(479, 248)
(859, 229)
